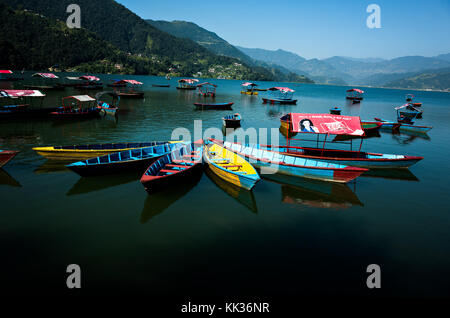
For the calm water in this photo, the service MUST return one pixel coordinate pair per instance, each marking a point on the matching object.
(306, 238)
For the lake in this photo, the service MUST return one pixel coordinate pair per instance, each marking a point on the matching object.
(286, 237)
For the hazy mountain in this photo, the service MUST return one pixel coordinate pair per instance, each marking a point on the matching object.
(216, 44)
(314, 68)
(445, 57)
(432, 79)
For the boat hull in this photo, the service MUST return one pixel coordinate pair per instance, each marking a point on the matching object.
(92, 113)
(279, 101)
(6, 156)
(404, 127)
(290, 165)
(115, 167)
(89, 151)
(249, 93)
(202, 106)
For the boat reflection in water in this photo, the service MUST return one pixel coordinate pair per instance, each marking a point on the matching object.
(407, 137)
(6, 179)
(229, 130)
(314, 193)
(86, 185)
(158, 202)
(241, 195)
(53, 166)
(394, 174)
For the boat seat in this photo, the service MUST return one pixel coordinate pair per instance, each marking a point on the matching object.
(167, 171)
(176, 166)
(184, 161)
(191, 156)
(233, 166)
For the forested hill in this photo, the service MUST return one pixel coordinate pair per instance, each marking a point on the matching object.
(113, 23)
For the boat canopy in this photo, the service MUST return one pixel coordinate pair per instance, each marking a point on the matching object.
(5, 72)
(16, 93)
(89, 78)
(132, 82)
(281, 89)
(326, 124)
(82, 98)
(73, 78)
(246, 84)
(409, 105)
(206, 84)
(355, 90)
(188, 80)
(45, 75)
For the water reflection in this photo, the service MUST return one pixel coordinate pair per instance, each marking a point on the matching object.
(395, 174)
(313, 193)
(243, 196)
(86, 185)
(53, 166)
(6, 179)
(158, 202)
(405, 138)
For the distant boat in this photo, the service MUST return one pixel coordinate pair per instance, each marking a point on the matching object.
(160, 85)
(77, 107)
(6, 75)
(187, 84)
(280, 95)
(232, 120)
(130, 90)
(335, 111)
(207, 89)
(218, 106)
(108, 108)
(249, 88)
(354, 94)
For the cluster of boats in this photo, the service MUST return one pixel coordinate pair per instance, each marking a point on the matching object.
(167, 163)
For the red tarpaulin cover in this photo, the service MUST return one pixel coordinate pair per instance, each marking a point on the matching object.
(45, 75)
(5, 72)
(89, 78)
(355, 90)
(21, 93)
(326, 124)
(249, 84)
(188, 80)
(133, 82)
(283, 89)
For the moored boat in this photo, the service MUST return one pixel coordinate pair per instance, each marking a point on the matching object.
(354, 94)
(187, 84)
(6, 156)
(207, 89)
(6, 75)
(232, 120)
(130, 90)
(219, 106)
(16, 104)
(249, 88)
(280, 95)
(77, 152)
(175, 168)
(370, 127)
(338, 125)
(106, 108)
(127, 160)
(335, 111)
(409, 111)
(230, 166)
(277, 162)
(160, 85)
(398, 126)
(77, 107)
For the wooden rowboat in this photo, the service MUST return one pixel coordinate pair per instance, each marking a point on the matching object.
(287, 164)
(232, 120)
(160, 85)
(230, 166)
(6, 156)
(396, 126)
(371, 127)
(128, 160)
(78, 152)
(219, 106)
(279, 101)
(175, 168)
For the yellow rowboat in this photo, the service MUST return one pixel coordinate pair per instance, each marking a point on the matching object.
(249, 93)
(79, 152)
(230, 167)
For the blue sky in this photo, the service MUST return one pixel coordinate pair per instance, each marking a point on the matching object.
(315, 29)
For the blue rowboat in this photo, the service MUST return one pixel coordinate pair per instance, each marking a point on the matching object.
(232, 120)
(179, 166)
(204, 106)
(127, 160)
(295, 166)
(390, 125)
